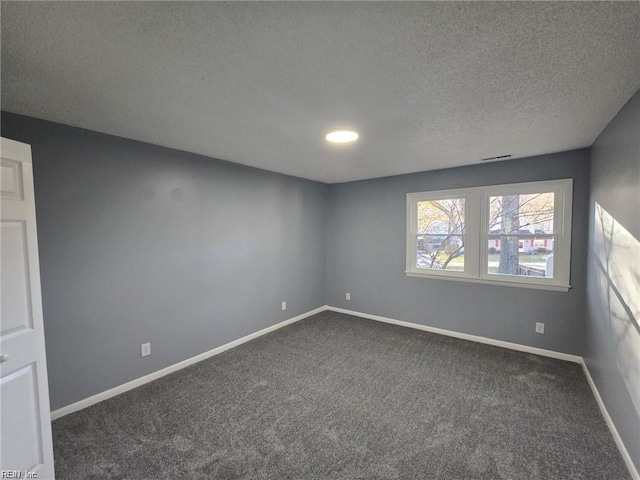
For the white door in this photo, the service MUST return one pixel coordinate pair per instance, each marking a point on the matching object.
(25, 419)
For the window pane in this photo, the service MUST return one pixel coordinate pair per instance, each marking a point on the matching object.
(441, 252)
(521, 214)
(441, 217)
(527, 256)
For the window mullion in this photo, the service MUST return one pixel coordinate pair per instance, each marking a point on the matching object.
(483, 232)
(472, 247)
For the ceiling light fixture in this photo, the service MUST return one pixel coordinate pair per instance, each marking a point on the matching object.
(342, 136)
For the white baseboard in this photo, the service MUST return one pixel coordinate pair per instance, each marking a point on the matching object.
(465, 336)
(614, 431)
(87, 402)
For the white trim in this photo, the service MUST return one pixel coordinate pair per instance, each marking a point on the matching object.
(614, 431)
(465, 336)
(476, 234)
(535, 286)
(87, 402)
(563, 194)
(470, 216)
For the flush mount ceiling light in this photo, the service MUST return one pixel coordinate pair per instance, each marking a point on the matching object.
(342, 136)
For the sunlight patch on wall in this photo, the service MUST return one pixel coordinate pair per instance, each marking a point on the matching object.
(617, 258)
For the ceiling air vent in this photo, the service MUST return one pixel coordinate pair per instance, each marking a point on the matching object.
(500, 157)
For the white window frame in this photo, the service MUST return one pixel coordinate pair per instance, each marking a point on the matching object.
(477, 234)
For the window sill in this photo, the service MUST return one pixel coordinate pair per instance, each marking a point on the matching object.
(486, 281)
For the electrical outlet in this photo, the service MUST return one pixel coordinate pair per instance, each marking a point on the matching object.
(348, 296)
(145, 349)
(539, 327)
(284, 305)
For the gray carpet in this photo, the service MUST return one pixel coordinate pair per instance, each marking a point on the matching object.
(339, 397)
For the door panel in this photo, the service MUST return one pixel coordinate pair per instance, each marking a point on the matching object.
(11, 174)
(21, 430)
(14, 281)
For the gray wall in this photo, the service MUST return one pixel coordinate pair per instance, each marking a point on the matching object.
(613, 304)
(142, 243)
(366, 257)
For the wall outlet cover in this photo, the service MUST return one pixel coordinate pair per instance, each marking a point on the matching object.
(145, 349)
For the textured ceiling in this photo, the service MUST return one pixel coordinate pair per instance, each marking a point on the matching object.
(428, 85)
